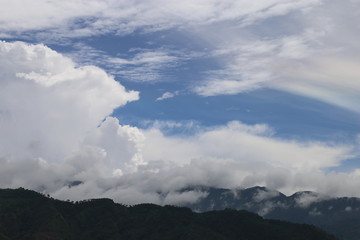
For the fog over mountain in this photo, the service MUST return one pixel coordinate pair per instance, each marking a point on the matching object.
(339, 216)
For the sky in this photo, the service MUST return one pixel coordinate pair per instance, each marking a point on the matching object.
(137, 100)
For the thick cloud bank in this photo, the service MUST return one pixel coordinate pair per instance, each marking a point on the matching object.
(48, 104)
(57, 136)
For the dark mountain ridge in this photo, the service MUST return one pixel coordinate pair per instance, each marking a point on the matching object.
(25, 214)
(339, 216)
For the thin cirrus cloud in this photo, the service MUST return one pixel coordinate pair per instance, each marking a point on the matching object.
(84, 18)
(333, 80)
(312, 54)
(56, 129)
(143, 65)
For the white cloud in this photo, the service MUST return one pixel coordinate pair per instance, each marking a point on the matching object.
(305, 199)
(308, 52)
(48, 105)
(166, 95)
(247, 64)
(348, 209)
(138, 65)
(21, 15)
(86, 18)
(184, 197)
(122, 144)
(262, 195)
(226, 87)
(145, 65)
(55, 129)
(328, 78)
(330, 73)
(242, 143)
(315, 212)
(145, 57)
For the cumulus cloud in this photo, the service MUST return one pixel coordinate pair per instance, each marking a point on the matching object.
(48, 104)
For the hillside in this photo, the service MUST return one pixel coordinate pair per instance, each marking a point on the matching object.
(25, 214)
(339, 216)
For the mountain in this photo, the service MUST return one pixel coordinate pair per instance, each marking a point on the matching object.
(339, 216)
(25, 214)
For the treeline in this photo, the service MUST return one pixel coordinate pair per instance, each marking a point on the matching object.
(25, 214)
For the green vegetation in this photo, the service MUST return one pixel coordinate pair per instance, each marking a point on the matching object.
(25, 214)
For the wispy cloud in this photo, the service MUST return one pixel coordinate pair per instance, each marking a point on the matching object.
(146, 65)
(139, 65)
(85, 18)
(309, 53)
(246, 65)
(167, 95)
(327, 78)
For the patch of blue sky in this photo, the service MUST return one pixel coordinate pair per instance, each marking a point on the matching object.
(346, 166)
(291, 116)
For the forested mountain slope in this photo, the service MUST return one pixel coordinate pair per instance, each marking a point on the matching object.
(25, 214)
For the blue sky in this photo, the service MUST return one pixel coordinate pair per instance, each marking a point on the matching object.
(291, 114)
(266, 75)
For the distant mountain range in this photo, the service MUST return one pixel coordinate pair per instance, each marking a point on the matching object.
(25, 214)
(339, 216)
